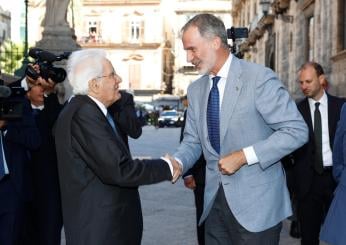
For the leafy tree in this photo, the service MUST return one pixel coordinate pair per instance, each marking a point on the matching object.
(11, 56)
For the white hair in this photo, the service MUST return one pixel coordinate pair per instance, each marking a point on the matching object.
(83, 66)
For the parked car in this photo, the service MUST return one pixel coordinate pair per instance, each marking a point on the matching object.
(170, 118)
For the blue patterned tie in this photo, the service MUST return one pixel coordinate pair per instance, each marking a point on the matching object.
(213, 115)
(2, 164)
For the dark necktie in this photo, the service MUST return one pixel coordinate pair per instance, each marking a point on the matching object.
(318, 164)
(111, 121)
(213, 117)
(2, 164)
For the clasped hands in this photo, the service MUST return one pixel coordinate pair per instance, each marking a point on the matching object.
(177, 168)
(227, 165)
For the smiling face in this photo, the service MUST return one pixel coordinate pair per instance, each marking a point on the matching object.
(200, 51)
(106, 87)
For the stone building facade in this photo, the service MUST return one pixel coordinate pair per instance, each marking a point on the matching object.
(184, 72)
(5, 25)
(284, 34)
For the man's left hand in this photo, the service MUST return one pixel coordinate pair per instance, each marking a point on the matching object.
(231, 163)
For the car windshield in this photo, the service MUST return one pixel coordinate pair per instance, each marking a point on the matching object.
(169, 113)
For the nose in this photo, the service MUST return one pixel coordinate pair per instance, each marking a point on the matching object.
(118, 79)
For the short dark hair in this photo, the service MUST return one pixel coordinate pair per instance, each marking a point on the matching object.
(209, 26)
(184, 97)
(317, 67)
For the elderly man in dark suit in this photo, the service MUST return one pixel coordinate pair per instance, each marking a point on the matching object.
(98, 177)
(313, 182)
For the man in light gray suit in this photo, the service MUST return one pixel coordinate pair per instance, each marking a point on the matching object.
(255, 124)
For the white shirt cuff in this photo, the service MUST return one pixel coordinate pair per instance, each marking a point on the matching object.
(250, 155)
(169, 163)
(24, 84)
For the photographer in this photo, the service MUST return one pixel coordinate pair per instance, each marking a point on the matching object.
(46, 215)
(18, 136)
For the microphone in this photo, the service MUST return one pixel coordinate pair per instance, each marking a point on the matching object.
(46, 56)
(5, 91)
(33, 52)
(42, 55)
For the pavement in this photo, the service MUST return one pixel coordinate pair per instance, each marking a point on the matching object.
(168, 210)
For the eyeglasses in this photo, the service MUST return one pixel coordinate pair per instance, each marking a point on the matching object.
(111, 75)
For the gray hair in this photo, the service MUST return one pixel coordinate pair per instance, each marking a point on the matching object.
(82, 67)
(209, 26)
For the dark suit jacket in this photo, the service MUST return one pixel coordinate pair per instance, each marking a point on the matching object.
(124, 114)
(99, 179)
(21, 136)
(303, 171)
(44, 164)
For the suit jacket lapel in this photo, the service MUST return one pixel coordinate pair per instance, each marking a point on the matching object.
(230, 96)
(332, 119)
(119, 140)
(306, 113)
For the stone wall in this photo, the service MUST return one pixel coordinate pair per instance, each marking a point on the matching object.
(290, 30)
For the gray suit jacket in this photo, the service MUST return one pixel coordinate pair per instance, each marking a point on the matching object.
(256, 111)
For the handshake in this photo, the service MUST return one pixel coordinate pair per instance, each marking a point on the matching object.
(177, 168)
(227, 165)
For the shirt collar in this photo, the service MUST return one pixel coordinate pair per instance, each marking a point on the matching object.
(223, 72)
(100, 105)
(323, 100)
(40, 107)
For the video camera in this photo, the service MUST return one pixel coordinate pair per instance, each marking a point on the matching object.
(11, 102)
(238, 36)
(45, 61)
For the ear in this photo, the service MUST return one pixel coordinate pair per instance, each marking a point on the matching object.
(216, 42)
(321, 79)
(93, 85)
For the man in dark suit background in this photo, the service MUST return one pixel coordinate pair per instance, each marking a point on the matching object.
(46, 214)
(124, 113)
(98, 178)
(44, 222)
(18, 137)
(313, 183)
(194, 179)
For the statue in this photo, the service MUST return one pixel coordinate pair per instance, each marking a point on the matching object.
(56, 13)
(58, 37)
